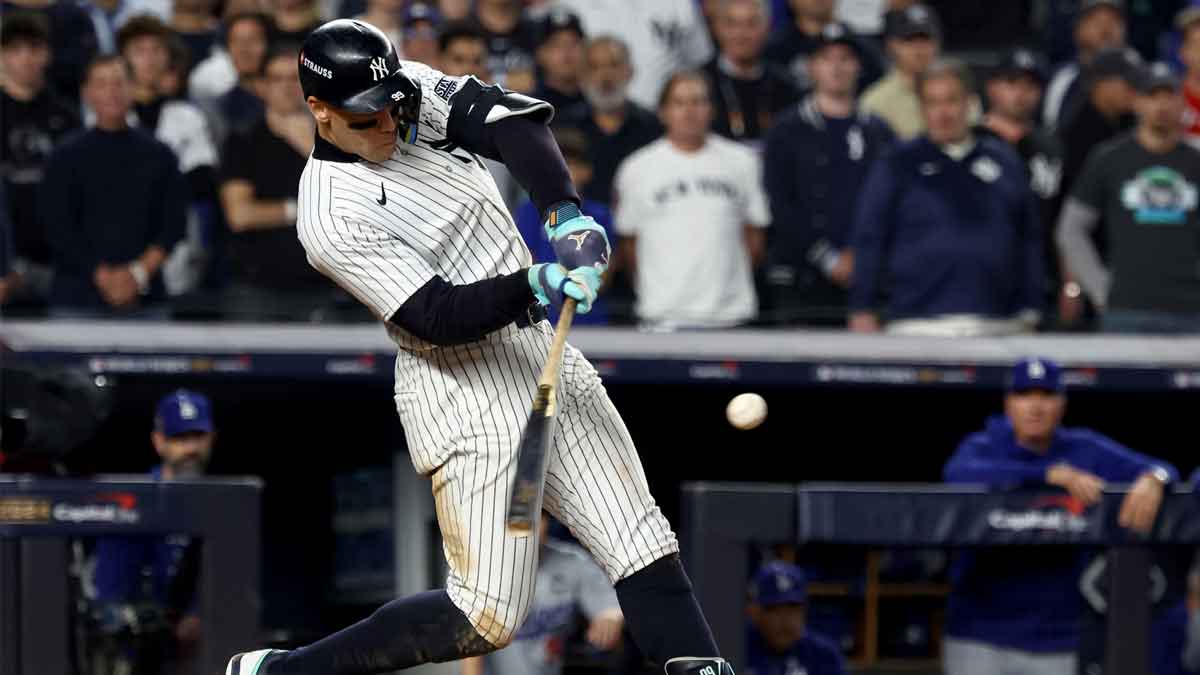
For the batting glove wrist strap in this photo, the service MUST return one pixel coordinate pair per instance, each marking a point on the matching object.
(578, 240)
(552, 284)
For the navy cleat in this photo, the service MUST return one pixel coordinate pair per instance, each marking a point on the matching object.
(252, 663)
(697, 665)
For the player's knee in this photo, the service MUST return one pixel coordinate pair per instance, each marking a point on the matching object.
(500, 616)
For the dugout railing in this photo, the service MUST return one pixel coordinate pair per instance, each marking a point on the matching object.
(38, 518)
(722, 521)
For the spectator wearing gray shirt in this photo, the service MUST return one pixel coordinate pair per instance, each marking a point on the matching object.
(1144, 187)
(569, 584)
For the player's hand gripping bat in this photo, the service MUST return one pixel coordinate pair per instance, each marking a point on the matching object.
(525, 501)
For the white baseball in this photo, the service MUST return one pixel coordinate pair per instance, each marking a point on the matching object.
(746, 411)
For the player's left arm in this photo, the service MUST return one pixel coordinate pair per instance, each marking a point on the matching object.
(512, 128)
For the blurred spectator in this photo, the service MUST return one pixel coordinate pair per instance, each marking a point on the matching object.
(1005, 613)
(914, 38)
(816, 160)
(510, 41)
(661, 38)
(387, 16)
(226, 84)
(779, 642)
(108, 16)
(747, 91)
(455, 10)
(1188, 23)
(569, 584)
(159, 575)
(947, 228)
(791, 47)
(1013, 91)
(270, 276)
(1099, 26)
(574, 148)
(691, 213)
(421, 22)
(294, 20)
(1110, 83)
(145, 42)
(196, 23)
(1144, 187)
(114, 204)
(615, 126)
(73, 40)
(33, 120)
(464, 52)
(560, 63)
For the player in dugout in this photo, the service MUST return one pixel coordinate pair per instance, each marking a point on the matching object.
(1005, 615)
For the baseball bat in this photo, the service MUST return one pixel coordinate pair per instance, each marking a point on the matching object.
(525, 500)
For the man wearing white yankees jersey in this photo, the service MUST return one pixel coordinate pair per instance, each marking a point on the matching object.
(396, 207)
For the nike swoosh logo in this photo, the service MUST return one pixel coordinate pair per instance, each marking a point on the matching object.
(382, 196)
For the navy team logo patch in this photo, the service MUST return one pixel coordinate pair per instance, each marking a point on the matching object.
(445, 88)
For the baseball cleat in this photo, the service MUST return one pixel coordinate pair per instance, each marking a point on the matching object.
(696, 665)
(251, 663)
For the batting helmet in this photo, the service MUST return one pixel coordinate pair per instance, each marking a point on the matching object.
(353, 66)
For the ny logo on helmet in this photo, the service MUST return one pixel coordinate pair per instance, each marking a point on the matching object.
(378, 69)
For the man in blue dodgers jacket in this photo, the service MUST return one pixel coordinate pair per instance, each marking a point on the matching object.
(947, 228)
(1018, 610)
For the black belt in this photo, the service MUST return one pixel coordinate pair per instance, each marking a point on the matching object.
(534, 314)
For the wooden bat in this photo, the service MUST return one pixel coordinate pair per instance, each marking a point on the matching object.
(525, 501)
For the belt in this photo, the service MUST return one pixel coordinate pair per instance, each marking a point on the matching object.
(534, 314)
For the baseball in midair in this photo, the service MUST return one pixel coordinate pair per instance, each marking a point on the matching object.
(746, 411)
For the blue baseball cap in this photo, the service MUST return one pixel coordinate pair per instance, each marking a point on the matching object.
(183, 411)
(1035, 373)
(421, 11)
(779, 583)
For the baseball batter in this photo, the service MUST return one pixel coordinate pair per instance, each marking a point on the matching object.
(397, 208)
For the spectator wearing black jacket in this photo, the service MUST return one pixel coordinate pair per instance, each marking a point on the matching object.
(114, 204)
(560, 62)
(33, 120)
(1013, 91)
(746, 90)
(816, 159)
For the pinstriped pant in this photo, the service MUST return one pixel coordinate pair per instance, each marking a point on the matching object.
(463, 410)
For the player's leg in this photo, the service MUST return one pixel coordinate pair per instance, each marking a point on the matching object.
(596, 485)
(490, 586)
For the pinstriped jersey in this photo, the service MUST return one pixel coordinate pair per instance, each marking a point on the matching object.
(382, 231)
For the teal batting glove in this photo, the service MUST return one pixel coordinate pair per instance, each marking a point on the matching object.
(552, 284)
(578, 240)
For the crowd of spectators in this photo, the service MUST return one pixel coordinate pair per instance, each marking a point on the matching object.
(883, 165)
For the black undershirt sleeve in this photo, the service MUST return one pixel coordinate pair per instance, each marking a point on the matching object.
(530, 152)
(445, 314)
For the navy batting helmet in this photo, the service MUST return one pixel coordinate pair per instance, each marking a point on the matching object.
(353, 66)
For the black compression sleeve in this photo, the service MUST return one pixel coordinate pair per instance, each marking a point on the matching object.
(529, 151)
(445, 314)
